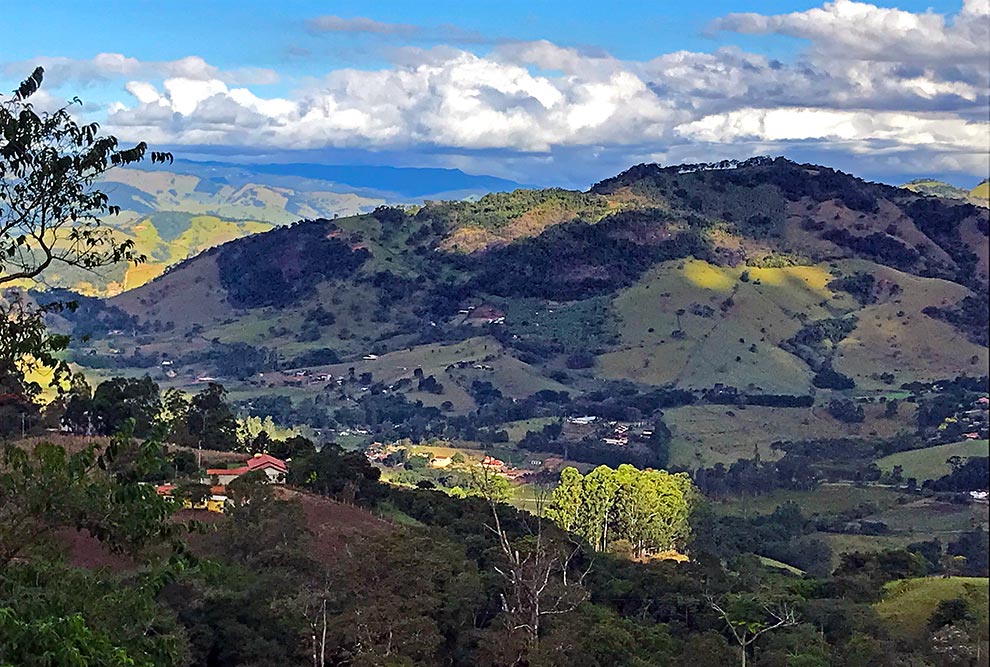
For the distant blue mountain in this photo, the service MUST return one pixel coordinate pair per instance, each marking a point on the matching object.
(405, 182)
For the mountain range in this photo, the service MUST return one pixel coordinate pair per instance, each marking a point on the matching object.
(764, 278)
(174, 214)
(980, 195)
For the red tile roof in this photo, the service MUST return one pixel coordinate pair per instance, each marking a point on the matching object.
(264, 461)
(256, 462)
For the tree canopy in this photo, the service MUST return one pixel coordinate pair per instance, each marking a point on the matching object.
(647, 508)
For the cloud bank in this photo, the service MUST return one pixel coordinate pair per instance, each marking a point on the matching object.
(877, 90)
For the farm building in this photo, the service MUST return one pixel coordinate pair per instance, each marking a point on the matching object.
(216, 501)
(274, 468)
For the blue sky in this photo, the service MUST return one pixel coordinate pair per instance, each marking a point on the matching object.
(547, 92)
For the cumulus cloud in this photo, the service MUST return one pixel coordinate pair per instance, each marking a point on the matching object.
(856, 30)
(105, 67)
(859, 93)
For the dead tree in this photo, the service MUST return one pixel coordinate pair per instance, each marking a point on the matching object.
(746, 626)
(537, 572)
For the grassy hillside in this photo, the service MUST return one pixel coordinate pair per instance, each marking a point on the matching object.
(981, 193)
(930, 462)
(936, 188)
(908, 604)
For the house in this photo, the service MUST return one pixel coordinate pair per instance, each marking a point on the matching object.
(584, 421)
(492, 462)
(215, 502)
(486, 314)
(274, 468)
(440, 461)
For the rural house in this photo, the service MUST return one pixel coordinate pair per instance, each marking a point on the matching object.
(274, 468)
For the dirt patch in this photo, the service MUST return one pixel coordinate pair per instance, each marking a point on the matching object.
(334, 525)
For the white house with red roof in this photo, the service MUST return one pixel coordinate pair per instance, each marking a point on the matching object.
(274, 468)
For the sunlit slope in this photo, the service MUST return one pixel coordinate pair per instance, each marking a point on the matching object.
(932, 462)
(731, 328)
(693, 323)
(893, 336)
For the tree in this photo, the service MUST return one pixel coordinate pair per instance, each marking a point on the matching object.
(25, 346)
(50, 207)
(55, 641)
(51, 213)
(647, 508)
(748, 619)
(77, 415)
(538, 576)
(47, 489)
(119, 400)
(210, 422)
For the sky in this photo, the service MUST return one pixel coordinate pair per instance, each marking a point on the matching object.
(543, 92)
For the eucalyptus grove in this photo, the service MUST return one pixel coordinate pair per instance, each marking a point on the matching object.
(648, 508)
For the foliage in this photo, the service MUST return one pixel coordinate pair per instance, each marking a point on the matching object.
(285, 264)
(47, 489)
(648, 508)
(120, 400)
(56, 640)
(210, 422)
(50, 209)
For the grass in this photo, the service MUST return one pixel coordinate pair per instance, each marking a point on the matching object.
(734, 342)
(907, 604)
(927, 518)
(709, 434)
(518, 429)
(826, 499)
(842, 544)
(737, 342)
(930, 462)
(894, 336)
(776, 564)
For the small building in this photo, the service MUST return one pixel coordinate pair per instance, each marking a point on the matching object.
(486, 314)
(274, 468)
(492, 462)
(216, 501)
(440, 461)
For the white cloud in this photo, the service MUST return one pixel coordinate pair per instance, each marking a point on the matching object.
(880, 85)
(856, 30)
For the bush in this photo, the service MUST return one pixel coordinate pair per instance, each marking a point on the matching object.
(827, 378)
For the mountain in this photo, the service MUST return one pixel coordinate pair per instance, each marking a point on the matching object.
(174, 214)
(764, 278)
(980, 195)
(398, 184)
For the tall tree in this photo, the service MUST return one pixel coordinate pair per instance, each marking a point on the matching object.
(118, 400)
(210, 422)
(51, 213)
(748, 618)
